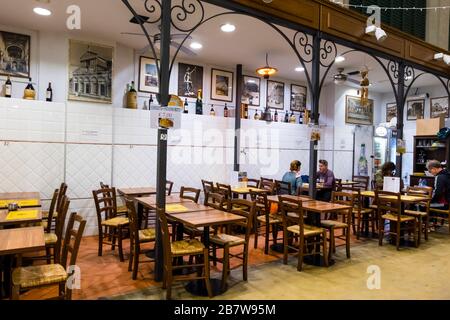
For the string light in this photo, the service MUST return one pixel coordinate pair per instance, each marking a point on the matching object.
(390, 8)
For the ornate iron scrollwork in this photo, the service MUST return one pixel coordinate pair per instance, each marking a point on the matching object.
(328, 53)
(153, 7)
(393, 70)
(303, 46)
(188, 15)
(410, 73)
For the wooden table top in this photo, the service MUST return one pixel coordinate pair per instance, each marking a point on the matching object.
(4, 215)
(349, 183)
(247, 190)
(21, 240)
(302, 198)
(151, 200)
(137, 191)
(206, 218)
(318, 186)
(320, 206)
(403, 198)
(176, 208)
(17, 196)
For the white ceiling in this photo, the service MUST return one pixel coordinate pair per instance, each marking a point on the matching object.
(106, 19)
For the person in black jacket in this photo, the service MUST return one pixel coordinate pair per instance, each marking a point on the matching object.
(441, 194)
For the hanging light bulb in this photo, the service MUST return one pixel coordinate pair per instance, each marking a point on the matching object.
(266, 71)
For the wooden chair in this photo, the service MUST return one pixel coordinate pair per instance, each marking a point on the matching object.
(53, 274)
(122, 209)
(338, 185)
(302, 191)
(363, 182)
(179, 249)
(169, 187)
(190, 194)
(226, 241)
(362, 218)
(208, 186)
(137, 237)
(294, 226)
(217, 201)
(45, 214)
(48, 216)
(225, 190)
(266, 180)
(264, 218)
(108, 221)
(444, 215)
(253, 183)
(422, 209)
(268, 185)
(53, 240)
(390, 209)
(345, 198)
(283, 188)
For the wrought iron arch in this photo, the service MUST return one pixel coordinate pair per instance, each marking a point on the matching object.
(415, 78)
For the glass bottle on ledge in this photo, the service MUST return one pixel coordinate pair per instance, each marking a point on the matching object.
(186, 106)
(49, 93)
(292, 118)
(275, 116)
(150, 101)
(212, 112)
(8, 88)
(300, 121)
(363, 168)
(199, 103)
(132, 97)
(225, 111)
(286, 117)
(30, 93)
(257, 116)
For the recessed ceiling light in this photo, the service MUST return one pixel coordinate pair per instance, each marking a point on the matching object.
(196, 45)
(228, 27)
(42, 11)
(299, 69)
(339, 59)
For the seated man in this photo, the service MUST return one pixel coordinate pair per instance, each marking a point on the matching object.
(326, 177)
(441, 194)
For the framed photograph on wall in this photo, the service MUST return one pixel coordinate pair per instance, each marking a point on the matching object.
(357, 114)
(391, 111)
(251, 94)
(14, 54)
(221, 85)
(298, 98)
(90, 72)
(190, 80)
(148, 75)
(415, 109)
(275, 94)
(439, 106)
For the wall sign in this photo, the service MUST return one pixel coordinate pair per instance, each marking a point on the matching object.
(165, 117)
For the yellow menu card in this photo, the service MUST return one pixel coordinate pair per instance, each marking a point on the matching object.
(175, 208)
(21, 203)
(22, 215)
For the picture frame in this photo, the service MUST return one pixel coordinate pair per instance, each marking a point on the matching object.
(356, 114)
(251, 91)
(391, 111)
(190, 80)
(298, 97)
(415, 109)
(439, 106)
(222, 85)
(15, 54)
(148, 75)
(275, 95)
(94, 62)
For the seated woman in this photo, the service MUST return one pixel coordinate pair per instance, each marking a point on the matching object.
(387, 170)
(293, 176)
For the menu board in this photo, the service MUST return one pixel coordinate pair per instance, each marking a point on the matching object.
(391, 184)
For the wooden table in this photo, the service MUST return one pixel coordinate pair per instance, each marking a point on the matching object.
(4, 215)
(205, 219)
(246, 191)
(12, 197)
(349, 183)
(136, 192)
(403, 198)
(151, 201)
(296, 198)
(319, 186)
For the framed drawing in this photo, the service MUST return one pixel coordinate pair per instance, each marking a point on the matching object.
(439, 106)
(298, 98)
(275, 95)
(90, 72)
(391, 111)
(14, 54)
(148, 75)
(356, 114)
(416, 109)
(251, 94)
(190, 80)
(221, 85)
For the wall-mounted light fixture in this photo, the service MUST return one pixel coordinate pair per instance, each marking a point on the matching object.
(442, 56)
(374, 24)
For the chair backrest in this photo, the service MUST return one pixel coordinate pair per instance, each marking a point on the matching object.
(51, 210)
(133, 218)
(72, 240)
(363, 182)
(224, 189)
(345, 198)
(61, 193)
(302, 191)
(420, 191)
(388, 202)
(261, 199)
(190, 194)
(246, 209)
(283, 187)
(337, 185)
(288, 205)
(208, 186)
(266, 179)
(59, 226)
(165, 235)
(169, 187)
(254, 183)
(216, 201)
(270, 186)
(105, 203)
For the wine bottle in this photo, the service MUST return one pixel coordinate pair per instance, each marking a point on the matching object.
(362, 163)
(49, 93)
(212, 112)
(257, 116)
(301, 118)
(30, 93)
(286, 117)
(199, 103)
(132, 97)
(8, 88)
(186, 106)
(245, 111)
(292, 118)
(150, 101)
(275, 116)
(225, 111)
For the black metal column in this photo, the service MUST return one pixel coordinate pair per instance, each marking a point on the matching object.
(162, 133)
(314, 145)
(400, 113)
(237, 120)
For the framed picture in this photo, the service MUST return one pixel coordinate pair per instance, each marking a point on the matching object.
(251, 94)
(391, 111)
(190, 80)
(357, 114)
(90, 72)
(148, 75)
(275, 94)
(298, 98)
(416, 109)
(221, 85)
(14, 54)
(439, 106)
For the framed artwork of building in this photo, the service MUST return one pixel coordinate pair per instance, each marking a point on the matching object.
(90, 72)
(14, 54)
(357, 114)
(415, 109)
(275, 95)
(298, 98)
(438, 107)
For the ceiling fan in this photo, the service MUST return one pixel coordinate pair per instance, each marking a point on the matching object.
(341, 77)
